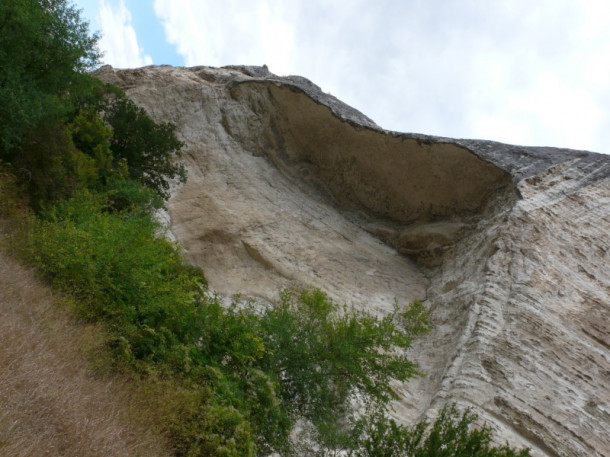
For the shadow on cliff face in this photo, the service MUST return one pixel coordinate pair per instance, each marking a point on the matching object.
(418, 195)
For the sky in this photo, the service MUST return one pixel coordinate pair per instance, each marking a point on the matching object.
(529, 72)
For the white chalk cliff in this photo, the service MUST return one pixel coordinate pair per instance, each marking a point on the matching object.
(508, 246)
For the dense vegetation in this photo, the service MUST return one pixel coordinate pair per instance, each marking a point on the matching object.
(254, 371)
(95, 167)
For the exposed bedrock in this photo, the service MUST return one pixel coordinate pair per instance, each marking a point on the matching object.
(507, 245)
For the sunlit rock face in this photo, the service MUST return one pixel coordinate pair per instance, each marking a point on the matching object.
(508, 246)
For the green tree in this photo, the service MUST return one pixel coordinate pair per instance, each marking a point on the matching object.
(45, 54)
(321, 356)
(148, 148)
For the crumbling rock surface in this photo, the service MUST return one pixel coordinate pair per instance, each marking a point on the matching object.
(507, 245)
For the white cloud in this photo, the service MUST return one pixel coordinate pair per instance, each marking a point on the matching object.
(508, 70)
(550, 105)
(229, 32)
(119, 42)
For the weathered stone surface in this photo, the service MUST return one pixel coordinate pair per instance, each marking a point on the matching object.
(507, 245)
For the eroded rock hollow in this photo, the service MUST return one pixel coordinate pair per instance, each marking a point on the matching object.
(508, 246)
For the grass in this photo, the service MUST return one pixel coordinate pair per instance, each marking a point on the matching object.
(52, 402)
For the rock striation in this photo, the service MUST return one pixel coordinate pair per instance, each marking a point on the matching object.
(507, 245)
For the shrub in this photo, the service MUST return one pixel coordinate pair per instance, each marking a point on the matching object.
(207, 428)
(453, 434)
(120, 270)
(51, 166)
(92, 137)
(160, 318)
(128, 195)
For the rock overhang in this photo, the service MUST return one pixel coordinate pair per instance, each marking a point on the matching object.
(397, 176)
(421, 187)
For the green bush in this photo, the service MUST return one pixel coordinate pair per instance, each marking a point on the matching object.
(62, 129)
(92, 137)
(51, 166)
(453, 434)
(128, 195)
(207, 428)
(59, 160)
(159, 315)
(120, 271)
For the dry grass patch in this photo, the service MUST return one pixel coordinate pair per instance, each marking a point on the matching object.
(51, 403)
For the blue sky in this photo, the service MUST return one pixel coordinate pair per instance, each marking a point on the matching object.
(142, 18)
(151, 34)
(517, 71)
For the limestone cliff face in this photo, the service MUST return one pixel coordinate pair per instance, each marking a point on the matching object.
(507, 245)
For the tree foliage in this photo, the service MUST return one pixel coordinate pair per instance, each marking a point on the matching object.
(452, 434)
(45, 52)
(63, 130)
(146, 147)
(323, 356)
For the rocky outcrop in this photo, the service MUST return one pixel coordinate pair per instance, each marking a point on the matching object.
(507, 245)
